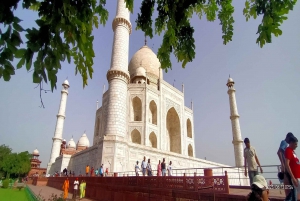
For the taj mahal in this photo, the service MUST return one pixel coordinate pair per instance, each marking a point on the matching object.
(140, 115)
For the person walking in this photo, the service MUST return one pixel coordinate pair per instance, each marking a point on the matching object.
(251, 159)
(149, 169)
(281, 155)
(84, 187)
(170, 169)
(144, 166)
(76, 184)
(137, 168)
(159, 168)
(163, 167)
(96, 172)
(66, 188)
(101, 171)
(81, 187)
(292, 166)
(92, 172)
(87, 170)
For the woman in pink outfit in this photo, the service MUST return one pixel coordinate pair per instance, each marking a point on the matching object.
(159, 168)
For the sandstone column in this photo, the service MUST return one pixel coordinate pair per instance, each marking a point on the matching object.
(235, 123)
(57, 139)
(118, 76)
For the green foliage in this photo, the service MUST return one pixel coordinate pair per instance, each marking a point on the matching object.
(273, 14)
(65, 31)
(5, 183)
(13, 163)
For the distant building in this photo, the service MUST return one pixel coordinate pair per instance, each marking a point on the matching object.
(35, 165)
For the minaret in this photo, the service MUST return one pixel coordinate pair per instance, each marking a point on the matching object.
(57, 139)
(118, 76)
(235, 123)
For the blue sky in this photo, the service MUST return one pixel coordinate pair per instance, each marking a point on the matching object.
(267, 89)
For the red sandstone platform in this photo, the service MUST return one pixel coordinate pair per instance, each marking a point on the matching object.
(46, 192)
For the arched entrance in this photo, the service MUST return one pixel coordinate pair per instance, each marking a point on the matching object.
(189, 128)
(190, 150)
(173, 129)
(136, 137)
(137, 109)
(153, 110)
(153, 140)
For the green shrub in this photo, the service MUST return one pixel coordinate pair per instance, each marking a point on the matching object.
(5, 183)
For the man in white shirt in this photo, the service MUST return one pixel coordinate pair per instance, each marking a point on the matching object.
(251, 160)
(170, 169)
(76, 184)
(144, 166)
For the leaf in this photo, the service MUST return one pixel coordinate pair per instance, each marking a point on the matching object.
(17, 27)
(6, 75)
(20, 53)
(21, 63)
(36, 77)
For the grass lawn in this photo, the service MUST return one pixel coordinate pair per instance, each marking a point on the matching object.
(12, 195)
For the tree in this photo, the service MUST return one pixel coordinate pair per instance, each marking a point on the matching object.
(65, 31)
(4, 152)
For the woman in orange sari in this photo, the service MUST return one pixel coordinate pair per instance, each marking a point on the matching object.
(66, 188)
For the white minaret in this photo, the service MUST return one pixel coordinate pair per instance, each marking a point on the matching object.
(118, 76)
(235, 123)
(57, 139)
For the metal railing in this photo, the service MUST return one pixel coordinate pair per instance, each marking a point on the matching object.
(30, 195)
(235, 174)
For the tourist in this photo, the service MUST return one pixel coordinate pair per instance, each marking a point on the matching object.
(101, 171)
(70, 173)
(251, 160)
(283, 145)
(87, 170)
(163, 167)
(259, 189)
(96, 172)
(66, 188)
(293, 168)
(84, 187)
(92, 172)
(81, 187)
(159, 168)
(149, 169)
(76, 183)
(144, 166)
(137, 168)
(65, 172)
(106, 172)
(170, 169)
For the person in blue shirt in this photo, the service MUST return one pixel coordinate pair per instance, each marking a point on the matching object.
(283, 145)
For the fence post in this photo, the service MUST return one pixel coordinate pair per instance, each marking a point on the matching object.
(226, 183)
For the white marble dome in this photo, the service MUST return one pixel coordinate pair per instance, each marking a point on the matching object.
(230, 80)
(145, 58)
(35, 152)
(83, 141)
(71, 144)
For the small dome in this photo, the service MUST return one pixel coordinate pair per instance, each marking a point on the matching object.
(72, 144)
(145, 58)
(35, 152)
(66, 82)
(230, 80)
(83, 141)
(140, 71)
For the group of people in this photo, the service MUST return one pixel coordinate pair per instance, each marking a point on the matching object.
(82, 187)
(95, 172)
(147, 169)
(289, 174)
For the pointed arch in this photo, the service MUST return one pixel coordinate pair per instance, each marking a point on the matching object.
(136, 137)
(173, 128)
(153, 111)
(189, 128)
(137, 109)
(153, 140)
(190, 150)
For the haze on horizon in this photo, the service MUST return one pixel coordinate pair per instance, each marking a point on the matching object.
(266, 82)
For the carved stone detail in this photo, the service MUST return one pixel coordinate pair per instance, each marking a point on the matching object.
(117, 74)
(132, 96)
(139, 128)
(170, 104)
(121, 21)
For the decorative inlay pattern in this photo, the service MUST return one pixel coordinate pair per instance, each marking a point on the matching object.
(170, 104)
(171, 95)
(113, 74)
(139, 128)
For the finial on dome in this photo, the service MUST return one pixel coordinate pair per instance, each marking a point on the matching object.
(145, 39)
(97, 104)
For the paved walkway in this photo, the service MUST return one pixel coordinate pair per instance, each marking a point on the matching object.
(273, 193)
(46, 192)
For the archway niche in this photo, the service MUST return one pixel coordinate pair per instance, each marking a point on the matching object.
(153, 140)
(190, 150)
(189, 128)
(153, 111)
(136, 137)
(137, 109)
(173, 128)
